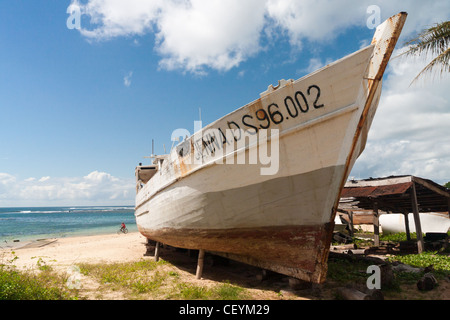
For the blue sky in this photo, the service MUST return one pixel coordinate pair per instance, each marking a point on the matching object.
(80, 107)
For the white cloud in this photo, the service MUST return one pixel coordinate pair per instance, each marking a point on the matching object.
(193, 35)
(241, 73)
(315, 20)
(315, 64)
(98, 188)
(6, 179)
(214, 33)
(127, 79)
(116, 18)
(100, 177)
(410, 132)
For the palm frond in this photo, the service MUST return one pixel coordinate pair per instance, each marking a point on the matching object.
(442, 61)
(433, 41)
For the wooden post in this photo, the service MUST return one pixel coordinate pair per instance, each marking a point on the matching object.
(415, 207)
(408, 233)
(352, 230)
(376, 225)
(150, 245)
(201, 258)
(262, 276)
(157, 247)
(448, 207)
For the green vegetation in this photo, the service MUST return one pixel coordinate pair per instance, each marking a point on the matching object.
(152, 278)
(122, 274)
(224, 291)
(43, 285)
(365, 239)
(139, 277)
(440, 262)
(432, 41)
(397, 237)
(350, 270)
(345, 271)
(136, 280)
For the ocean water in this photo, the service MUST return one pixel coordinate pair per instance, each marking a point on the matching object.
(33, 223)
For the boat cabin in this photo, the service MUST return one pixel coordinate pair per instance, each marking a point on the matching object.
(145, 173)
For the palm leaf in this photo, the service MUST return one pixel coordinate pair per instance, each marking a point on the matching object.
(442, 61)
(434, 41)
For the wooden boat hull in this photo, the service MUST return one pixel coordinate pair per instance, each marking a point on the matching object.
(251, 230)
(283, 221)
(297, 250)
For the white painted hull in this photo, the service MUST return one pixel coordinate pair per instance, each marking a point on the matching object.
(285, 217)
(305, 152)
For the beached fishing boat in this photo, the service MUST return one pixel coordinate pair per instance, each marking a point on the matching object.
(261, 185)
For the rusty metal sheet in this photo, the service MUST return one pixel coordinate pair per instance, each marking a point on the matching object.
(376, 191)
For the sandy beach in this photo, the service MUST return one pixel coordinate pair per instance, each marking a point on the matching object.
(63, 252)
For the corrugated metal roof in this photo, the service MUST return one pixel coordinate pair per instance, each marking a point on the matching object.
(394, 194)
(377, 191)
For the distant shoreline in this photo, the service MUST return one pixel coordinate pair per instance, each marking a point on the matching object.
(27, 240)
(25, 224)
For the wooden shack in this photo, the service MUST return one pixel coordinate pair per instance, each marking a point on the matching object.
(394, 194)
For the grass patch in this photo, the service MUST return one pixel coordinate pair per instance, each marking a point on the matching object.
(146, 277)
(422, 260)
(397, 237)
(135, 276)
(192, 292)
(345, 271)
(228, 291)
(224, 291)
(26, 285)
(440, 262)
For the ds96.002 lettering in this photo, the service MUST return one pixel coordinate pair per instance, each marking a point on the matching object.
(293, 107)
